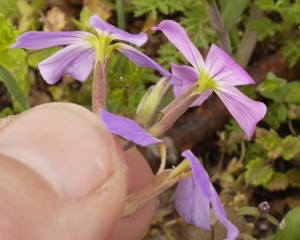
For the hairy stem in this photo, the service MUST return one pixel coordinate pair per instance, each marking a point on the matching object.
(173, 111)
(99, 92)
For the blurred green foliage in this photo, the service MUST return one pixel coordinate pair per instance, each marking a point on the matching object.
(13, 60)
(263, 158)
(282, 20)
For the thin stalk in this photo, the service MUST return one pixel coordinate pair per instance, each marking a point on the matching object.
(219, 27)
(178, 107)
(158, 184)
(249, 39)
(120, 14)
(114, 6)
(128, 145)
(121, 25)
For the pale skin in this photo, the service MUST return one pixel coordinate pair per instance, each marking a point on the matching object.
(64, 176)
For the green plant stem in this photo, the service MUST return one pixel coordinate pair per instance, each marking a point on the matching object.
(114, 6)
(249, 39)
(120, 13)
(121, 25)
(233, 12)
(99, 92)
(219, 27)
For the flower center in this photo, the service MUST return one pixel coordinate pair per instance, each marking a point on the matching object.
(205, 82)
(101, 44)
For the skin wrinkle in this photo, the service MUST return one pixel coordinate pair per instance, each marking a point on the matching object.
(70, 187)
(39, 204)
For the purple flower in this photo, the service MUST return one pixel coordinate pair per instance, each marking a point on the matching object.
(127, 129)
(84, 48)
(194, 195)
(219, 73)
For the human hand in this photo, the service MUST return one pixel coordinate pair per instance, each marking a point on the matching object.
(64, 176)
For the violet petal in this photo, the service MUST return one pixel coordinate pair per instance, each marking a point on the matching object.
(75, 60)
(192, 204)
(185, 73)
(224, 70)
(116, 33)
(176, 35)
(127, 129)
(141, 59)
(39, 40)
(203, 189)
(232, 231)
(246, 111)
(200, 176)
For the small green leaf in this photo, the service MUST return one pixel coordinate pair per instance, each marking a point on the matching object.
(294, 177)
(291, 229)
(257, 172)
(282, 112)
(278, 182)
(84, 23)
(293, 95)
(13, 87)
(294, 111)
(250, 211)
(8, 33)
(270, 141)
(274, 88)
(291, 146)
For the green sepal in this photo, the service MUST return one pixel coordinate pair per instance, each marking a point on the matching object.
(149, 105)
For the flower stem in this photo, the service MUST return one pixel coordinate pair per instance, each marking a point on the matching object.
(173, 111)
(184, 166)
(99, 92)
(249, 39)
(120, 13)
(158, 184)
(219, 27)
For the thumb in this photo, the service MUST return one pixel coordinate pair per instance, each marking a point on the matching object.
(62, 175)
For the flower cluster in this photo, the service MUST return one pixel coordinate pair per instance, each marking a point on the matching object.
(218, 73)
(84, 48)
